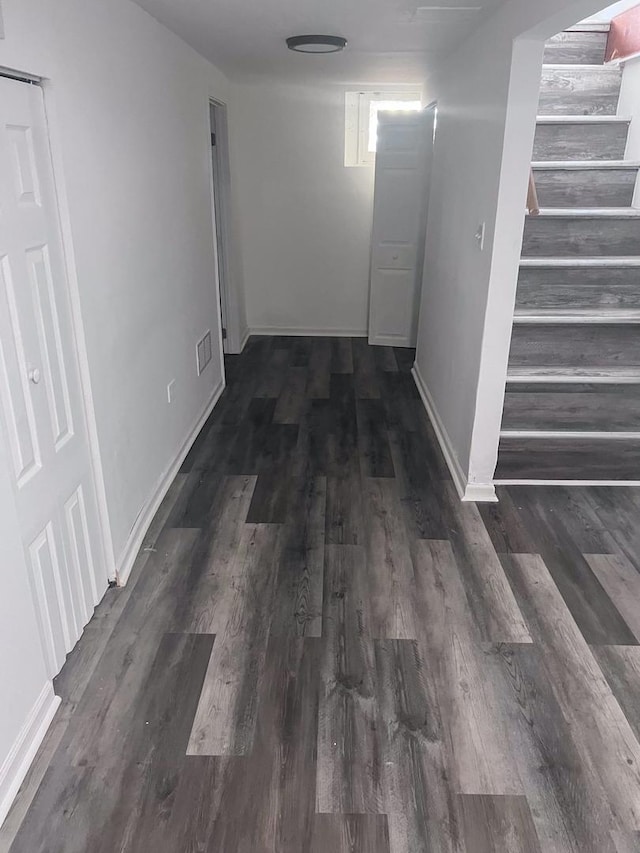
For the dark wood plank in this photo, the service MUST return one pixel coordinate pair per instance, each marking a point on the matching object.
(420, 810)
(364, 370)
(576, 49)
(385, 358)
(572, 407)
(626, 842)
(157, 741)
(603, 734)
(341, 355)
(583, 90)
(621, 668)
(299, 591)
(225, 720)
(593, 611)
(373, 440)
(498, 824)
(356, 833)
(274, 372)
(319, 369)
(574, 460)
(349, 765)
(601, 288)
(621, 583)
(506, 525)
(390, 570)
(471, 697)
(546, 750)
(292, 402)
(581, 236)
(587, 188)
(419, 485)
(579, 141)
(490, 597)
(344, 513)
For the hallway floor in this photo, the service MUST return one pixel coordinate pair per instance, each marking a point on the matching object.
(322, 650)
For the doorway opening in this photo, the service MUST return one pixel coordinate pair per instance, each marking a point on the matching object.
(220, 190)
(405, 142)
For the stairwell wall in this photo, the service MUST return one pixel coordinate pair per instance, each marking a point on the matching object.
(629, 105)
(487, 96)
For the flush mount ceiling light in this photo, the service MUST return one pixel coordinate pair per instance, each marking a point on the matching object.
(316, 44)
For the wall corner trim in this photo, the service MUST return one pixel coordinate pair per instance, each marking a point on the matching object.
(471, 492)
(141, 526)
(17, 763)
(244, 338)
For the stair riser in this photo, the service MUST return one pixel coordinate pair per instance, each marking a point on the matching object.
(608, 288)
(580, 407)
(579, 91)
(568, 141)
(581, 237)
(566, 346)
(585, 187)
(568, 459)
(576, 49)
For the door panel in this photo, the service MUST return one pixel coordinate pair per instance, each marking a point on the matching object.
(51, 598)
(42, 415)
(403, 163)
(394, 316)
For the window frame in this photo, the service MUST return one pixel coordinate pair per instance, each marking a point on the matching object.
(357, 120)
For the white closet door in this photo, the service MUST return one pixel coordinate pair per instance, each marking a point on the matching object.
(41, 404)
(403, 164)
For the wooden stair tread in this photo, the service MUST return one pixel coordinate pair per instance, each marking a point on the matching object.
(549, 317)
(584, 165)
(588, 213)
(613, 70)
(611, 459)
(590, 27)
(588, 119)
(583, 374)
(612, 261)
(568, 434)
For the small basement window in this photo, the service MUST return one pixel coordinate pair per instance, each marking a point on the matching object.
(361, 121)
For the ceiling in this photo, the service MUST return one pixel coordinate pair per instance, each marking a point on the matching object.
(390, 41)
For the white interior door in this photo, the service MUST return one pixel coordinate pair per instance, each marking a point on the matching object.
(42, 408)
(403, 165)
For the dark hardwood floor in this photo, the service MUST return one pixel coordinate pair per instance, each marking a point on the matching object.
(321, 649)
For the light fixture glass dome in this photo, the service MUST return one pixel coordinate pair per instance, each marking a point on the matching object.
(316, 44)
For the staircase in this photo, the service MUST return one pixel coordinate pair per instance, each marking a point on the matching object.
(572, 406)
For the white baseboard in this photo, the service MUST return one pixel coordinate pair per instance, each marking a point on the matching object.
(147, 513)
(471, 492)
(302, 332)
(15, 766)
(608, 483)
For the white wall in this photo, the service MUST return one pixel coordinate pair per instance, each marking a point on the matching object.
(487, 95)
(610, 12)
(130, 115)
(306, 219)
(629, 105)
(128, 106)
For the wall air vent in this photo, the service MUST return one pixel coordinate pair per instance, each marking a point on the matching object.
(203, 352)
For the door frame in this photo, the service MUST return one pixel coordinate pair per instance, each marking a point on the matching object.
(220, 188)
(432, 107)
(71, 283)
